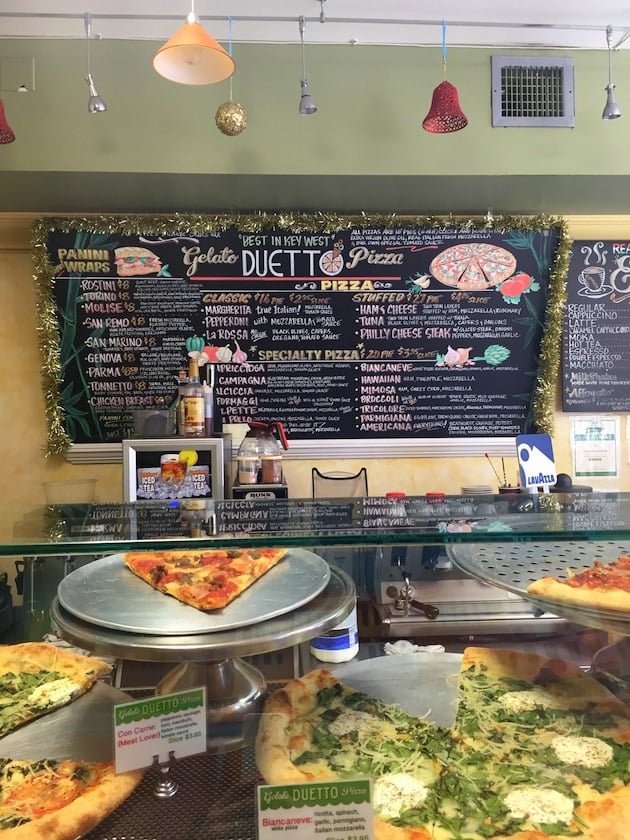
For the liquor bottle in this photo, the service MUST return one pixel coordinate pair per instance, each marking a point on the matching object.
(192, 401)
(208, 398)
(178, 406)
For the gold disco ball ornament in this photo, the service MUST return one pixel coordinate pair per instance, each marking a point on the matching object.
(231, 118)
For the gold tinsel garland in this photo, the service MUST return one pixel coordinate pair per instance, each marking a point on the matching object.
(321, 222)
(551, 342)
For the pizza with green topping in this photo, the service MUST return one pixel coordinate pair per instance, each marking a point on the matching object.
(47, 799)
(36, 678)
(538, 750)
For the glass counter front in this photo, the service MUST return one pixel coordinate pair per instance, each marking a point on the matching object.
(397, 556)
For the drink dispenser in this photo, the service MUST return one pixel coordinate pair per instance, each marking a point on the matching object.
(259, 457)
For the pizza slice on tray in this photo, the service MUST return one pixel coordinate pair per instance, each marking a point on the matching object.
(602, 586)
(36, 678)
(544, 745)
(538, 750)
(46, 799)
(59, 800)
(207, 579)
(316, 729)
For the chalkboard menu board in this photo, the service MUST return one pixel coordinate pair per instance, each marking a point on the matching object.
(351, 330)
(596, 333)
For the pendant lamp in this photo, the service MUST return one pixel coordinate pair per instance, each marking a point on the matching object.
(192, 56)
(6, 132)
(307, 105)
(445, 114)
(96, 105)
(611, 111)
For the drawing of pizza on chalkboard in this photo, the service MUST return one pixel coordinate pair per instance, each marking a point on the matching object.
(473, 266)
(331, 262)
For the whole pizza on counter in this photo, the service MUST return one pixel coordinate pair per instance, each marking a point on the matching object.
(538, 750)
(208, 579)
(48, 799)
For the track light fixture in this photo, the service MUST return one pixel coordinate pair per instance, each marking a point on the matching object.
(307, 106)
(192, 56)
(95, 104)
(611, 110)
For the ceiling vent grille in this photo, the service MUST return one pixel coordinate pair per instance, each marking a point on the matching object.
(532, 92)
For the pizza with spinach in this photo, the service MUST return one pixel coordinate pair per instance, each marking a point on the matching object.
(538, 750)
(36, 678)
(47, 799)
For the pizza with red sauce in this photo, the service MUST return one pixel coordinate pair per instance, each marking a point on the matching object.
(473, 266)
(603, 586)
(206, 579)
(59, 800)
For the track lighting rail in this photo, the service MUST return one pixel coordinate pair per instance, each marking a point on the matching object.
(329, 20)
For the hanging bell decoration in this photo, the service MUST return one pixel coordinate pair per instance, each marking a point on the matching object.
(445, 114)
(6, 132)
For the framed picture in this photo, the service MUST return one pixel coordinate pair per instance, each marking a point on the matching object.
(175, 468)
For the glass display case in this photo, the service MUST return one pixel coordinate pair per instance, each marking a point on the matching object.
(451, 572)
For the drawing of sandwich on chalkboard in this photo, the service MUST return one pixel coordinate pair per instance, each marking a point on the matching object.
(132, 261)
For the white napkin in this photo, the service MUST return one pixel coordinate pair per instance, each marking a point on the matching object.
(404, 646)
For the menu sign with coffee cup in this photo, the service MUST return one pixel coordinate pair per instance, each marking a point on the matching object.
(360, 330)
(596, 328)
(593, 280)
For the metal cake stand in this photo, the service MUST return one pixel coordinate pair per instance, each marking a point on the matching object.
(234, 688)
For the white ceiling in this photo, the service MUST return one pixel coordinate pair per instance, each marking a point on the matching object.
(533, 24)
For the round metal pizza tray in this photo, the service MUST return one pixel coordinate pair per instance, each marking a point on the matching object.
(513, 566)
(423, 684)
(108, 594)
(320, 614)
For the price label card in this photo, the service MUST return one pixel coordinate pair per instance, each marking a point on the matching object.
(158, 726)
(319, 811)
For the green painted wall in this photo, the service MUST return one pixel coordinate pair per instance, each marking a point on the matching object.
(371, 103)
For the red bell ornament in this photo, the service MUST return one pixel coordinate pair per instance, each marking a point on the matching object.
(445, 114)
(6, 132)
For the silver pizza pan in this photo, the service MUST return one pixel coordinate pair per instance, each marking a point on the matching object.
(80, 731)
(108, 594)
(423, 684)
(513, 566)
